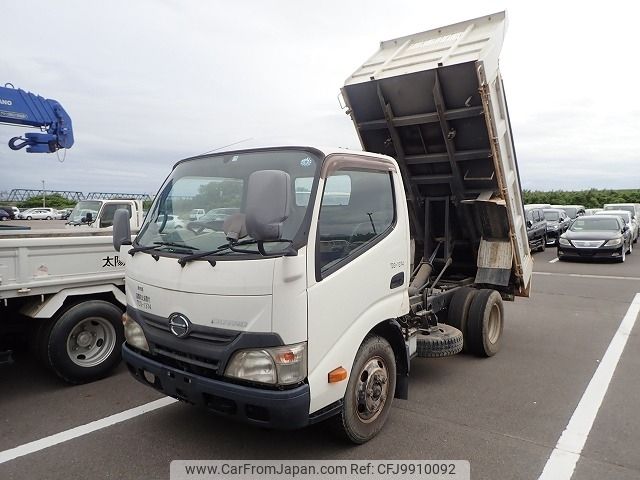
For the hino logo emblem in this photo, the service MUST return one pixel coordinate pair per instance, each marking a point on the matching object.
(180, 325)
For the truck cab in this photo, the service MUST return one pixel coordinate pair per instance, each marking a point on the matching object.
(99, 213)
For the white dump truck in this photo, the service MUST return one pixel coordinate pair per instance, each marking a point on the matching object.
(63, 289)
(333, 269)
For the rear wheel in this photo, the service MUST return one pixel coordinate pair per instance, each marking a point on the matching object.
(48, 218)
(459, 310)
(29, 218)
(370, 391)
(485, 323)
(83, 343)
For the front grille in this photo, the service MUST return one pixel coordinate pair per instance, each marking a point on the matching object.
(587, 243)
(207, 334)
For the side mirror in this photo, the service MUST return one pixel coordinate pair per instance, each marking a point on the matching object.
(121, 229)
(268, 204)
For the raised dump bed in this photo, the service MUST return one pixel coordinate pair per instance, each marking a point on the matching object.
(435, 102)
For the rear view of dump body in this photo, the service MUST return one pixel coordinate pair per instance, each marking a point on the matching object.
(435, 102)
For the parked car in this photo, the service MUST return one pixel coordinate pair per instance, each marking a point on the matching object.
(572, 211)
(40, 214)
(173, 222)
(9, 211)
(628, 220)
(592, 211)
(536, 228)
(557, 224)
(596, 237)
(4, 215)
(64, 214)
(632, 209)
(196, 213)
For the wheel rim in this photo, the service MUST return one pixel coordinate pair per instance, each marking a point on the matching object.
(494, 324)
(91, 342)
(372, 389)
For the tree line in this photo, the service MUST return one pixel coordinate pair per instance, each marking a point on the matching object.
(592, 198)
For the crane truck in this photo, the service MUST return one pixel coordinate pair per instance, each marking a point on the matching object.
(61, 289)
(338, 267)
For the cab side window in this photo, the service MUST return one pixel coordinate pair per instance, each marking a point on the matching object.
(109, 210)
(357, 210)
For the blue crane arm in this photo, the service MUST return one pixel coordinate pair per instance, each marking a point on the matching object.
(18, 107)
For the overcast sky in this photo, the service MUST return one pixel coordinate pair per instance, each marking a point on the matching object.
(150, 82)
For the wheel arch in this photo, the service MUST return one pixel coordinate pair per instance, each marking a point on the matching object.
(55, 303)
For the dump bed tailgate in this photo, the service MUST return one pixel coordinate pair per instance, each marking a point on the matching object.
(435, 102)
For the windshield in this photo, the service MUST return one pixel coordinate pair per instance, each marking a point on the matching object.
(626, 216)
(551, 216)
(200, 194)
(627, 208)
(571, 211)
(82, 208)
(595, 225)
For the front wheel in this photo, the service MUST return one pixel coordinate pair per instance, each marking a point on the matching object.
(370, 391)
(543, 247)
(29, 218)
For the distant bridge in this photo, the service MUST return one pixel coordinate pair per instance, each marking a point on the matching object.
(23, 194)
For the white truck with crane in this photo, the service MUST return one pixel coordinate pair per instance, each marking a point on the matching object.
(61, 289)
(338, 267)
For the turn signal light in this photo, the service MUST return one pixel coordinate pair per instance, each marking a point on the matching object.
(337, 375)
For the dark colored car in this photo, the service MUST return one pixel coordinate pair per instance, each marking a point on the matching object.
(4, 215)
(8, 211)
(596, 237)
(557, 224)
(536, 228)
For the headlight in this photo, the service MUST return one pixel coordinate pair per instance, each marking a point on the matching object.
(614, 242)
(133, 333)
(564, 241)
(552, 227)
(278, 365)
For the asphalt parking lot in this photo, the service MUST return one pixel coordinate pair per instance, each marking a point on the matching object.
(504, 414)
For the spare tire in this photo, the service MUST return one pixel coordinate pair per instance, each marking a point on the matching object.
(442, 341)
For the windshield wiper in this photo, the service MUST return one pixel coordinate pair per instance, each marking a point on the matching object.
(233, 246)
(175, 244)
(156, 245)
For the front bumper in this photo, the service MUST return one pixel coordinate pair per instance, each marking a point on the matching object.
(602, 253)
(281, 409)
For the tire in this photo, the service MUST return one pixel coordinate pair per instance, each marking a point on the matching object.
(543, 247)
(29, 218)
(442, 341)
(374, 368)
(485, 323)
(48, 218)
(459, 311)
(76, 330)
